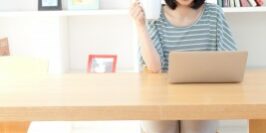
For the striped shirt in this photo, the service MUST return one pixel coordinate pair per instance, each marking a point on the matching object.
(210, 32)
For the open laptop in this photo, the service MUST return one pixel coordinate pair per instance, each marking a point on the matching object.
(206, 67)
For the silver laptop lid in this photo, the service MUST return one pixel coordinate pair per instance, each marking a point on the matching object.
(195, 67)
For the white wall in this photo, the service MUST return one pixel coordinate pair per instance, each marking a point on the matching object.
(101, 35)
(41, 37)
(249, 30)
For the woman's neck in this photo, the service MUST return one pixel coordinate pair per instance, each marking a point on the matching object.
(184, 11)
(183, 15)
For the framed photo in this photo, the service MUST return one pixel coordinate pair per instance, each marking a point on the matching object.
(102, 63)
(46, 5)
(83, 4)
(4, 48)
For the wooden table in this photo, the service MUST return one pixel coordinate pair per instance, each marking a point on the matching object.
(131, 96)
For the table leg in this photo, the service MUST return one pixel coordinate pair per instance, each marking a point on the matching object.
(14, 127)
(257, 126)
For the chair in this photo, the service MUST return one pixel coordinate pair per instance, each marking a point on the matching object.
(12, 66)
(17, 66)
(14, 127)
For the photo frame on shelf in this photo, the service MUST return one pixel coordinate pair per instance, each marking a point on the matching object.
(4, 47)
(83, 4)
(49, 5)
(101, 63)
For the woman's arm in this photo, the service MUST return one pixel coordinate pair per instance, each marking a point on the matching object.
(148, 51)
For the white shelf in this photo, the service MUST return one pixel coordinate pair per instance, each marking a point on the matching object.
(109, 12)
(244, 9)
(64, 13)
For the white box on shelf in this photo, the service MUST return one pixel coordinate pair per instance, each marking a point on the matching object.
(83, 4)
(115, 4)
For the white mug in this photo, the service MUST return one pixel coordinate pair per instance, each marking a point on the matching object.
(152, 8)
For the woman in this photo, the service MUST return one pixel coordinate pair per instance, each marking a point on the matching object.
(184, 25)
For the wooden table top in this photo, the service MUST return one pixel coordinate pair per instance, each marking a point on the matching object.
(129, 96)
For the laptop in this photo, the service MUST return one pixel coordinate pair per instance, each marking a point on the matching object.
(207, 67)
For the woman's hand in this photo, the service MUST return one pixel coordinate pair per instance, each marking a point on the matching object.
(137, 13)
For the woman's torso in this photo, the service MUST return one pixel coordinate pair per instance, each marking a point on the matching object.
(199, 36)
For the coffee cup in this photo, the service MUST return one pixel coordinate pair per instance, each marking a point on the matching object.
(152, 8)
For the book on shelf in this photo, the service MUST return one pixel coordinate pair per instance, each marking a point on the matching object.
(244, 3)
(225, 3)
(237, 3)
(252, 3)
(220, 3)
(259, 2)
(232, 3)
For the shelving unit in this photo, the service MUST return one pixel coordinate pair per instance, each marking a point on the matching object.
(244, 9)
(65, 13)
(111, 12)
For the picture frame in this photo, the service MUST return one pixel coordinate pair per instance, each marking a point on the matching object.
(4, 47)
(83, 4)
(101, 63)
(49, 5)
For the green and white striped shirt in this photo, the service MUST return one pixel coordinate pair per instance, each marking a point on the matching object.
(209, 33)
